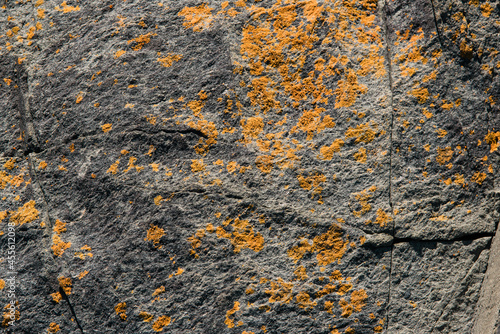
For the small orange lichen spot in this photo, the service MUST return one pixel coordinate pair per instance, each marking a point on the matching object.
(493, 138)
(426, 113)
(56, 296)
(427, 147)
(422, 94)
(158, 200)
(25, 214)
(154, 234)
(62, 168)
(264, 163)
(53, 328)
(348, 90)
(159, 291)
(10, 164)
(326, 152)
(252, 127)
(362, 239)
(83, 274)
(145, 316)
(441, 133)
(478, 177)
(72, 147)
(120, 310)
(358, 299)
(444, 155)
(198, 18)
(466, 50)
(119, 53)
(363, 133)
(65, 284)
(304, 300)
(312, 182)
(197, 165)
(363, 197)
(2, 284)
(66, 9)
(40, 13)
(413, 304)
(382, 218)
(360, 156)
(106, 127)
(329, 307)
(229, 322)
(300, 272)
(59, 246)
(232, 166)
(161, 322)
(141, 40)
(59, 227)
(486, 9)
(113, 169)
(155, 166)
(347, 308)
(129, 106)
(441, 218)
(169, 59)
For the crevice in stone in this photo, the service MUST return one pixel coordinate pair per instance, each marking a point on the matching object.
(384, 11)
(468, 237)
(436, 24)
(65, 297)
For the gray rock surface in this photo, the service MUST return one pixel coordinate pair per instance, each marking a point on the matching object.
(249, 166)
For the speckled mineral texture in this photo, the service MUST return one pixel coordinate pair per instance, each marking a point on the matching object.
(251, 166)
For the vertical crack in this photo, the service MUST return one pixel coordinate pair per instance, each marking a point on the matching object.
(31, 146)
(385, 13)
(436, 24)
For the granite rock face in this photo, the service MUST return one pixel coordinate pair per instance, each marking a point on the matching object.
(249, 166)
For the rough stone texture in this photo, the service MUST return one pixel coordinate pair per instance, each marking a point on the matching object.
(250, 166)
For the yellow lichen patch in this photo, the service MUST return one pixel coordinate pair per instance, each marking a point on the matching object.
(347, 308)
(113, 169)
(229, 322)
(363, 133)
(329, 308)
(198, 18)
(363, 197)
(83, 274)
(327, 289)
(304, 300)
(360, 156)
(59, 246)
(56, 297)
(466, 50)
(195, 239)
(177, 273)
(280, 291)
(486, 9)
(154, 234)
(53, 328)
(169, 59)
(159, 291)
(2, 284)
(25, 214)
(158, 200)
(119, 53)
(145, 316)
(263, 94)
(310, 122)
(330, 246)
(441, 133)
(348, 90)
(14, 181)
(441, 218)
(493, 138)
(478, 177)
(161, 322)
(300, 272)
(426, 113)
(120, 310)
(358, 299)
(382, 218)
(65, 284)
(232, 166)
(422, 94)
(65, 8)
(209, 130)
(264, 163)
(252, 127)
(197, 166)
(326, 152)
(140, 41)
(312, 182)
(59, 227)
(243, 236)
(42, 165)
(10, 164)
(106, 127)
(131, 164)
(444, 155)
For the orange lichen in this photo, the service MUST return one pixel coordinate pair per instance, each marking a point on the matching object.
(120, 310)
(159, 291)
(243, 236)
(119, 53)
(10, 164)
(478, 177)
(65, 284)
(59, 227)
(106, 127)
(264, 163)
(300, 272)
(2, 284)
(197, 166)
(25, 214)
(230, 322)
(59, 246)
(56, 296)
(382, 218)
(363, 197)
(252, 127)
(348, 90)
(131, 164)
(65, 8)
(113, 169)
(169, 59)
(280, 291)
(198, 18)
(161, 322)
(53, 328)
(493, 138)
(154, 234)
(326, 152)
(304, 300)
(363, 132)
(422, 94)
(312, 182)
(360, 156)
(444, 155)
(145, 316)
(140, 41)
